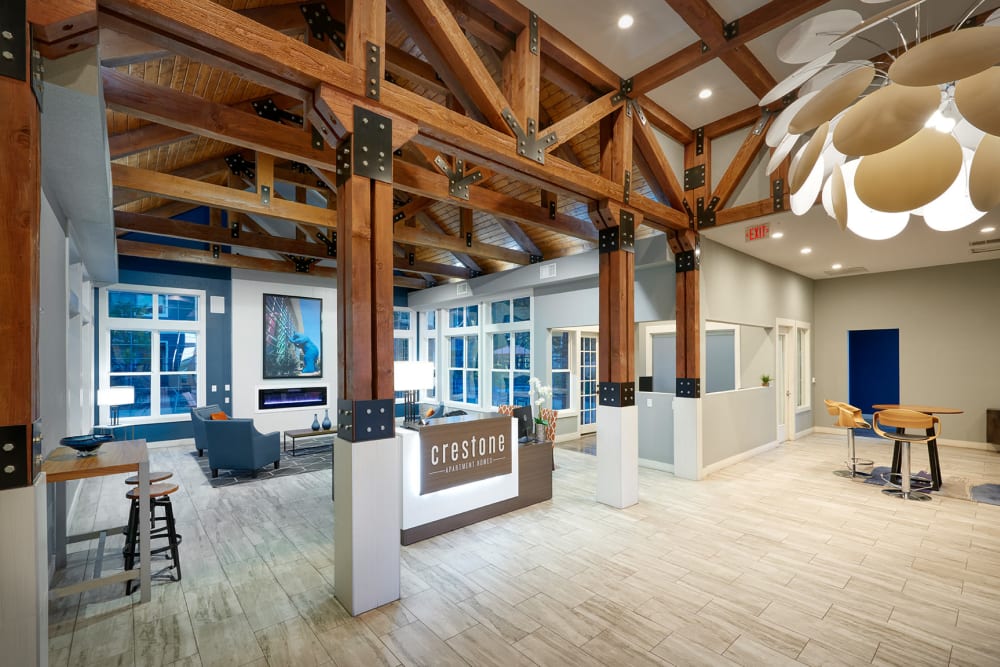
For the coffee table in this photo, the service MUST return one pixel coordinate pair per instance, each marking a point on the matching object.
(298, 434)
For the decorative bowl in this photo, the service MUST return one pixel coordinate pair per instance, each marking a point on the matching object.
(86, 445)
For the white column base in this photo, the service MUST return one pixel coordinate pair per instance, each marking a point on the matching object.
(366, 510)
(617, 456)
(687, 438)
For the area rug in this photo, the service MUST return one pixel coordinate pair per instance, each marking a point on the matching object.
(318, 456)
(986, 493)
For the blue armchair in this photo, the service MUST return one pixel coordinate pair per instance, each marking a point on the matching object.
(235, 444)
(198, 418)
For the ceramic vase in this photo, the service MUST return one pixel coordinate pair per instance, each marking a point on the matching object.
(315, 424)
(326, 420)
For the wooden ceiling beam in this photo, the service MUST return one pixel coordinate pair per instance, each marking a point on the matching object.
(751, 26)
(741, 163)
(733, 122)
(743, 212)
(193, 114)
(659, 170)
(416, 205)
(565, 129)
(144, 138)
(217, 196)
(665, 121)
(522, 80)
(433, 225)
(365, 22)
(519, 236)
(417, 237)
(197, 172)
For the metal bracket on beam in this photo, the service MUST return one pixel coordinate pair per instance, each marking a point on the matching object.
(688, 260)
(411, 258)
(475, 273)
(694, 177)
(344, 161)
(759, 125)
(688, 387)
(621, 237)
(373, 70)
(533, 33)
(15, 451)
(458, 182)
(731, 30)
(534, 259)
(687, 209)
(269, 110)
(624, 90)
(372, 145)
(241, 167)
(552, 210)
(704, 47)
(397, 216)
(265, 195)
(13, 40)
(706, 216)
(37, 69)
(321, 24)
(627, 190)
(329, 241)
(699, 141)
(468, 239)
(360, 421)
(617, 394)
(215, 251)
(234, 229)
(317, 139)
(778, 194)
(528, 144)
(638, 111)
(302, 264)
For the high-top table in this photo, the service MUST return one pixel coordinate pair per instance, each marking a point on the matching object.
(64, 465)
(932, 450)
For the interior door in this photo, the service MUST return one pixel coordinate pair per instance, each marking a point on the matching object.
(588, 383)
(784, 376)
(872, 368)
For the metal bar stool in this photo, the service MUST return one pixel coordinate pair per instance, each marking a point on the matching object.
(849, 417)
(159, 495)
(900, 420)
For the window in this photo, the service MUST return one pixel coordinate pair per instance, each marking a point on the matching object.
(153, 340)
(429, 347)
(560, 370)
(588, 380)
(508, 334)
(511, 310)
(463, 369)
(403, 340)
(802, 367)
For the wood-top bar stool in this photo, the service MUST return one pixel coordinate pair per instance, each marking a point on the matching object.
(900, 420)
(159, 495)
(849, 417)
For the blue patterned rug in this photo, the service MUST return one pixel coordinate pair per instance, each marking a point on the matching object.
(317, 456)
(877, 473)
(986, 493)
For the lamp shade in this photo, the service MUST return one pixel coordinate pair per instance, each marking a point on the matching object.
(413, 375)
(122, 395)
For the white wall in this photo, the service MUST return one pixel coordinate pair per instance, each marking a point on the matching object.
(53, 315)
(247, 306)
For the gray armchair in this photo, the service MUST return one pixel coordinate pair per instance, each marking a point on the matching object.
(198, 418)
(234, 444)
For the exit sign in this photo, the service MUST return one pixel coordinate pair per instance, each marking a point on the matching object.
(757, 232)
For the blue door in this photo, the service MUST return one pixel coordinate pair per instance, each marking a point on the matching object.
(873, 368)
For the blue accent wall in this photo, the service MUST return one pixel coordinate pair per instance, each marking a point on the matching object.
(216, 281)
(873, 367)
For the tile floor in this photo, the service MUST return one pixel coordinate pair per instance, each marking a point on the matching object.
(773, 561)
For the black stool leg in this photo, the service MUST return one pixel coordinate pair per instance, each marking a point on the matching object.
(172, 537)
(932, 454)
(131, 539)
(896, 453)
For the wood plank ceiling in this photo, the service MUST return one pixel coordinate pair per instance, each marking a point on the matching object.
(180, 135)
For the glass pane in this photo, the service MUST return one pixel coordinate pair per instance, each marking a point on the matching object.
(400, 349)
(800, 370)
(472, 358)
(560, 351)
(431, 320)
(522, 350)
(522, 389)
(501, 351)
(501, 389)
(455, 387)
(178, 393)
(432, 357)
(140, 406)
(500, 312)
(177, 307)
(131, 351)
(457, 352)
(401, 320)
(560, 390)
(178, 351)
(134, 305)
(472, 386)
(472, 316)
(455, 316)
(522, 309)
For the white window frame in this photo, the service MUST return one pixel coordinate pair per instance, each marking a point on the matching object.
(155, 326)
(444, 354)
(574, 367)
(803, 366)
(409, 335)
(425, 337)
(512, 328)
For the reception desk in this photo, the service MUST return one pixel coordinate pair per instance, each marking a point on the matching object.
(460, 470)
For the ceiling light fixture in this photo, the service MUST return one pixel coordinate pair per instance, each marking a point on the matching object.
(987, 230)
(625, 21)
(806, 251)
(837, 267)
(915, 133)
(777, 235)
(705, 93)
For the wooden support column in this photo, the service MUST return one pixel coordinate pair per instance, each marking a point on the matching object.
(687, 406)
(23, 579)
(366, 456)
(522, 75)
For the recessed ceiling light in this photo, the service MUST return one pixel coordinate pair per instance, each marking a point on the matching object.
(777, 235)
(806, 251)
(988, 230)
(705, 93)
(625, 21)
(837, 267)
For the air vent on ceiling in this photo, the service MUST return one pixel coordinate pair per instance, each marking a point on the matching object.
(546, 271)
(463, 289)
(849, 271)
(988, 245)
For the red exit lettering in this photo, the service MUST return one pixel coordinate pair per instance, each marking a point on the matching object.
(757, 232)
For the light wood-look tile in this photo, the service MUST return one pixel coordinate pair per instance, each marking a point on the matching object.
(479, 646)
(291, 644)
(415, 644)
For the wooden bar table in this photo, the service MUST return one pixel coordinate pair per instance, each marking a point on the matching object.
(932, 450)
(63, 465)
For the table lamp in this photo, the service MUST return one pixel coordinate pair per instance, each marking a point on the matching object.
(115, 397)
(411, 377)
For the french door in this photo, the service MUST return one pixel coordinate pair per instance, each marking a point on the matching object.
(588, 383)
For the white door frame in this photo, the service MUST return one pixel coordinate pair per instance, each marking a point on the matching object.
(785, 379)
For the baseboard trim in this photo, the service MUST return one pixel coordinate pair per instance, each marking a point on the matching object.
(162, 444)
(656, 465)
(802, 434)
(742, 456)
(829, 430)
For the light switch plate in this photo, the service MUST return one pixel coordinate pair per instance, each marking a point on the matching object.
(214, 388)
(649, 402)
(227, 399)
(227, 387)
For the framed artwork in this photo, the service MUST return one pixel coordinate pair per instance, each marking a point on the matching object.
(293, 336)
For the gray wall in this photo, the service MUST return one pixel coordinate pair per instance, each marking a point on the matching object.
(756, 354)
(948, 319)
(656, 426)
(736, 422)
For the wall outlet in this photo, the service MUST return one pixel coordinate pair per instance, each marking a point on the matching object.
(649, 402)
(227, 399)
(227, 387)
(214, 388)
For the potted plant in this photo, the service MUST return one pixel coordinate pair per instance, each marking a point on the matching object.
(542, 394)
(765, 380)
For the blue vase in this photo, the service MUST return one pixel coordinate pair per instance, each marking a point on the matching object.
(326, 420)
(315, 424)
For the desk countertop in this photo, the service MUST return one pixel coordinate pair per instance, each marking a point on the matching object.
(63, 464)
